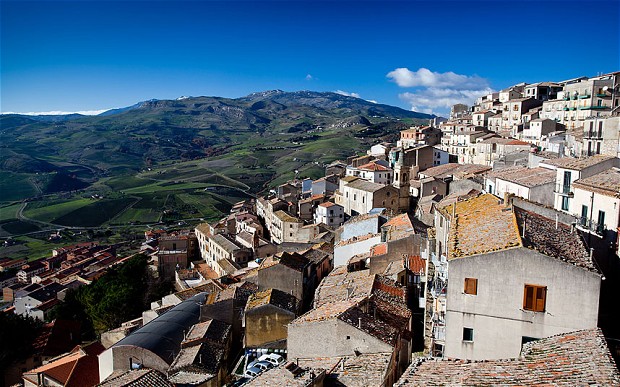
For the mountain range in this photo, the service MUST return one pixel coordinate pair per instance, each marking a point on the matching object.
(79, 150)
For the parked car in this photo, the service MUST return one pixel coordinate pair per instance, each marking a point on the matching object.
(263, 365)
(251, 372)
(272, 358)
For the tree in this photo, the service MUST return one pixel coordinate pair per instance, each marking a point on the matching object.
(17, 334)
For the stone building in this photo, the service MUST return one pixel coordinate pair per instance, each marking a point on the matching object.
(514, 276)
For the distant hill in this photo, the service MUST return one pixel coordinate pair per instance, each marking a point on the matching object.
(127, 140)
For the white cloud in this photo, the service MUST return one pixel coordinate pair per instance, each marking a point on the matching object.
(341, 92)
(439, 101)
(309, 77)
(437, 92)
(427, 78)
(59, 113)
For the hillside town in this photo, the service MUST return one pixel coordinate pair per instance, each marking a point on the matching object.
(480, 249)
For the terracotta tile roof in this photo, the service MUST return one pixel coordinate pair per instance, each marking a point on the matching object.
(289, 375)
(452, 169)
(341, 285)
(273, 297)
(375, 327)
(578, 164)
(214, 331)
(190, 378)
(579, 358)
(59, 369)
(379, 249)
(145, 377)
(416, 264)
(527, 177)
(373, 167)
(517, 142)
(327, 204)
(352, 371)
(561, 243)
(327, 311)
(349, 179)
(605, 183)
(482, 225)
(283, 216)
(57, 337)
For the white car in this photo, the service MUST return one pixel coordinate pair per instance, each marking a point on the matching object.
(272, 358)
(251, 372)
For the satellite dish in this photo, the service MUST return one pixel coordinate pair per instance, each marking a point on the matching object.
(605, 88)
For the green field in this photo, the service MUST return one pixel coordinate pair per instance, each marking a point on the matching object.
(164, 186)
(17, 227)
(94, 214)
(9, 212)
(15, 186)
(49, 211)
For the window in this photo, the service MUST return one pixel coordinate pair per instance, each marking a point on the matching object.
(534, 298)
(565, 203)
(471, 286)
(584, 215)
(468, 334)
(601, 222)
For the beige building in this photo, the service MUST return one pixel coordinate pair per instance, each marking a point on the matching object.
(513, 110)
(358, 196)
(601, 136)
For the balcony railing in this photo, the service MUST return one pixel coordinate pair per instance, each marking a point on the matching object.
(593, 107)
(563, 189)
(589, 225)
(584, 96)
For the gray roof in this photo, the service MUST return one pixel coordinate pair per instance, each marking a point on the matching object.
(226, 244)
(163, 335)
(364, 185)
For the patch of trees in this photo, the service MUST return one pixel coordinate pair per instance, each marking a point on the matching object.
(17, 334)
(120, 295)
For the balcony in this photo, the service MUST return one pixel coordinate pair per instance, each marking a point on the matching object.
(566, 109)
(584, 96)
(563, 190)
(593, 107)
(574, 97)
(602, 95)
(589, 225)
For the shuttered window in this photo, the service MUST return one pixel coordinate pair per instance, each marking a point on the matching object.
(534, 298)
(471, 286)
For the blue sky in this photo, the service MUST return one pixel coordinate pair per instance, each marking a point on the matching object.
(91, 55)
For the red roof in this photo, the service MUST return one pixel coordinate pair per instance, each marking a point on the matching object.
(517, 142)
(416, 264)
(373, 167)
(379, 249)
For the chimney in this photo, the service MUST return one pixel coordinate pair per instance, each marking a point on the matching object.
(591, 253)
(508, 199)
(523, 233)
(359, 322)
